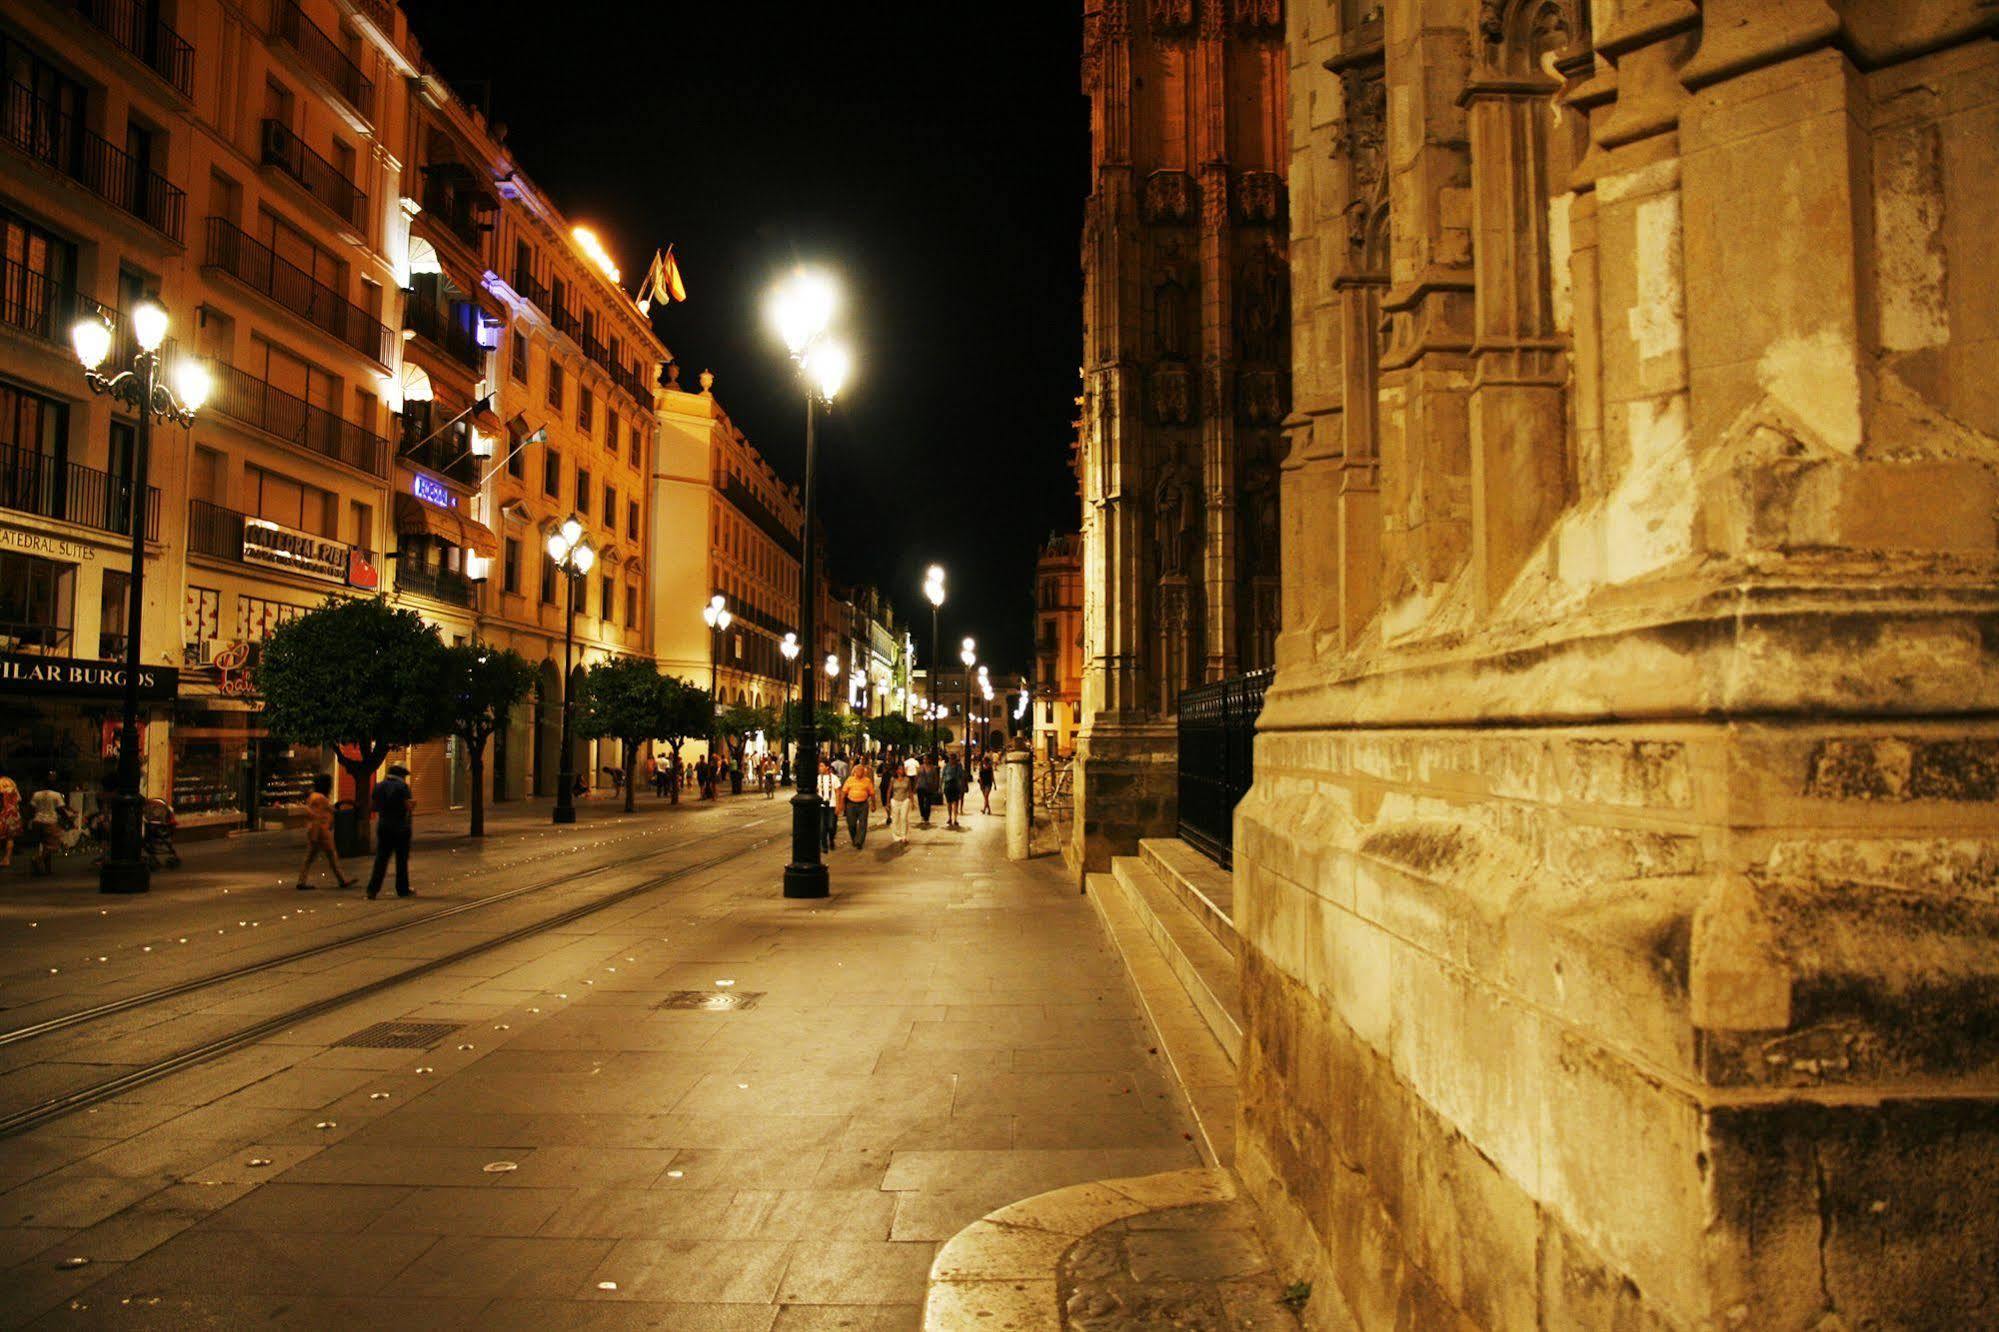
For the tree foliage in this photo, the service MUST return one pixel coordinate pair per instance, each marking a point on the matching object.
(738, 721)
(480, 685)
(897, 732)
(624, 698)
(354, 673)
(686, 711)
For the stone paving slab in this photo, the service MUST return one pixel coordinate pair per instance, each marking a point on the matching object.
(947, 1032)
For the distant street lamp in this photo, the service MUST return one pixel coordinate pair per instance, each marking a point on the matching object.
(933, 592)
(716, 615)
(968, 652)
(139, 388)
(573, 555)
(790, 649)
(803, 308)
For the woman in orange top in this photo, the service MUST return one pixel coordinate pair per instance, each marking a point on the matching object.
(857, 799)
(319, 832)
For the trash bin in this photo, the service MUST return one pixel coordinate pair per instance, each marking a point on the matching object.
(350, 833)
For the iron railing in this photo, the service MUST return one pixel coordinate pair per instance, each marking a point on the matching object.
(565, 321)
(438, 584)
(466, 215)
(38, 305)
(45, 132)
(258, 267)
(48, 487)
(448, 452)
(314, 174)
(1216, 760)
(752, 508)
(437, 326)
(326, 58)
(217, 532)
(144, 34)
(39, 640)
(529, 286)
(248, 399)
(633, 381)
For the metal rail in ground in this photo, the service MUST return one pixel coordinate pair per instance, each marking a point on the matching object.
(55, 1107)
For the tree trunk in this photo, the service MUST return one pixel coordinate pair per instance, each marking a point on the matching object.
(631, 752)
(673, 787)
(476, 752)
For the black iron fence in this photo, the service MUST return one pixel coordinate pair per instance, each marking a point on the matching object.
(1217, 735)
(323, 53)
(261, 269)
(48, 487)
(248, 399)
(315, 175)
(58, 139)
(39, 305)
(140, 30)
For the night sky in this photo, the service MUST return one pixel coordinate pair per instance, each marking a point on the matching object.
(937, 157)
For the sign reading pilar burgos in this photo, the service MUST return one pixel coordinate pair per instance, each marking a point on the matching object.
(21, 673)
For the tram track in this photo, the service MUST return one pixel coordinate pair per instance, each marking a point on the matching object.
(56, 1106)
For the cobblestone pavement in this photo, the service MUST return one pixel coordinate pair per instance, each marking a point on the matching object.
(1199, 1268)
(705, 1107)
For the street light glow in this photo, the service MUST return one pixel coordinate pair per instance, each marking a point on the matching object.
(833, 665)
(92, 340)
(828, 366)
(789, 647)
(149, 325)
(593, 248)
(933, 585)
(802, 308)
(192, 383)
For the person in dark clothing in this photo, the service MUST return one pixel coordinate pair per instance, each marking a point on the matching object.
(393, 805)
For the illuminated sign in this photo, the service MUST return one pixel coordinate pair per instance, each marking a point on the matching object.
(264, 542)
(433, 492)
(27, 674)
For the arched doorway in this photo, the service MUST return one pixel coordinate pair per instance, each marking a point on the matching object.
(547, 728)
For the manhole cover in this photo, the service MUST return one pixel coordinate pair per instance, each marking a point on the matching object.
(708, 1001)
(400, 1035)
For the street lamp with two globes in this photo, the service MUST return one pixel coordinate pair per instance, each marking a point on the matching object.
(570, 548)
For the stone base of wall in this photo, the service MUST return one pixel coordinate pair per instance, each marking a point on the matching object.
(1665, 1024)
(1125, 784)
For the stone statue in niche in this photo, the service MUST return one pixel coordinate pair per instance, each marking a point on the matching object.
(1259, 396)
(1173, 313)
(1175, 510)
(1259, 196)
(1262, 308)
(1259, 517)
(1253, 14)
(1172, 16)
(1168, 197)
(1172, 393)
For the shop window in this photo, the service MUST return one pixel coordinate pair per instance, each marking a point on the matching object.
(551, 473)
(114, 602)
(607, 600)
(517, 356)
(36, 600)
(510, 566)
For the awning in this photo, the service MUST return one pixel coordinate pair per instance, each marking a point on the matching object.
(415, 518)
(486, 421)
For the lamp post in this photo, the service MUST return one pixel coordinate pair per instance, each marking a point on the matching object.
(789, 647)
(968, 652)
(574, 556)
(139, 388)
(933, 592)
(716, 615)
(802, 309)
(986, 712)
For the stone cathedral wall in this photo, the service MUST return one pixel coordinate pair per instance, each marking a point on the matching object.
(1620, 886)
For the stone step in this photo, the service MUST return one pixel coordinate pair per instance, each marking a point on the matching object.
(1202, 1065)
(1203, 887)
(1206, 969)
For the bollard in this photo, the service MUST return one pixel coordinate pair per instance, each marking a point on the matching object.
(1019, 804)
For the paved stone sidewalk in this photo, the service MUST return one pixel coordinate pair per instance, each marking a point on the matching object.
(947, 1034)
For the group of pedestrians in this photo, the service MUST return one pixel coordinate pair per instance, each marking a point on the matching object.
(852, 790)
(42, 820)
(394, 805)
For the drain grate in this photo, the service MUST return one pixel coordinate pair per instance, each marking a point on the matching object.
(400, 1035)
(711, 1001)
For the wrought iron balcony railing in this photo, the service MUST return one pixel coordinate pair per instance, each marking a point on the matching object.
(40, 129)
(314, 174)
(40, 306)
(244, 397)
(439, 584)
(529, 286)
(48, 487)
(441, 328)
(140, 31)
(464, 215)
(259, 268)
(325, 57)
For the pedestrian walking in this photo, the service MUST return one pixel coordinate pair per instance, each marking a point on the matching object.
(840, 765)
(768, 773)
(319, 832)
(857, 798)
(50, 818)
(901, 795)
(393, 805)
(10, 820)
(829, 805)
(928, 788)
(954, 790)
(986, 784)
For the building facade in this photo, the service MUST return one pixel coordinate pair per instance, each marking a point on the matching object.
(1058, 645)
(1614, 888)
(1186, 370)
(724, 524)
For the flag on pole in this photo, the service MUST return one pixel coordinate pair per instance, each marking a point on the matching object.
(662, 280)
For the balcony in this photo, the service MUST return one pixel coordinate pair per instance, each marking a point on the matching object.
(447, 453)
(60, 141)
(253, 263)
(142, 34)
(324, 56)
(218, 533)
(41, 307)
(437, 584)
(565, 321)
(753, 508)
(47, 487)
(37, 640)
(441, 329)
(465, 214)
(596, 352)
(529, 286)
(632, 380)
(243, 397)
(315, 175)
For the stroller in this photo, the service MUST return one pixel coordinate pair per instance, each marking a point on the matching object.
(156, 842)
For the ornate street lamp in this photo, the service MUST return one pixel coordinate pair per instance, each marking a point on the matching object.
(716, 615)
(790, 650)
(968, 652)
(933, 592)
(574, 556)
(802, 310)
(139, 388)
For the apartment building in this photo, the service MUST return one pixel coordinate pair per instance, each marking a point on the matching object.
(1058, 644)
(724, 524)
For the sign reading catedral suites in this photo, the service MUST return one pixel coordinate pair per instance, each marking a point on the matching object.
(21, 673)
(41, 543)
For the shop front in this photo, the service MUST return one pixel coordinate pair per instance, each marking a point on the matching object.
(62, 715)
(230, 772)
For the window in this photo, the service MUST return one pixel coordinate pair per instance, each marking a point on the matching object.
(607, 602)
(631, 518)
(35, 603)
(551, 472)
(289, 503)
(208, 481)
(363, 517)
(611, 507)
(113, 606)
(517, 459)
(35, 426)
(517, 356)
(632, 606)
(582, 491)
(510, 566)
(611, 428)
(586, 407)
(548, 574)
(555, 383)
